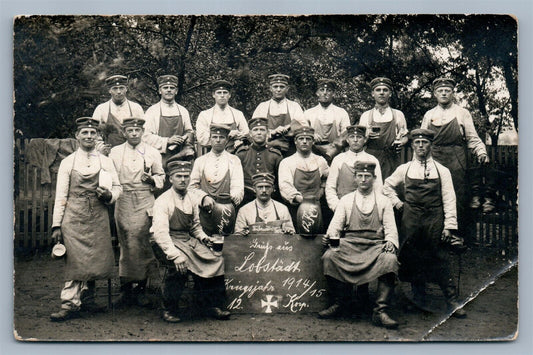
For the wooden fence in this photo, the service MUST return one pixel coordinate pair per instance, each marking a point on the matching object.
(34, 202)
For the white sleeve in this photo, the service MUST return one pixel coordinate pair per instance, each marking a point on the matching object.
(237, 180)
(336, 226)
(62, 186)
(331, 184)
(286, 181)
(202, 128)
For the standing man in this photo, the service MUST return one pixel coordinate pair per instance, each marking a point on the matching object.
(81, 221)
(140, 172)
(217, 172)
(222, 113)
(168, 124)
(110, 114)
(257, 157)
(303, 173)
(429, 220)
(329, 121)
(280, 111)
(263, 214)
(184, 247)
(366, 251)
(454, 133)
(386, 127)
(341, 179)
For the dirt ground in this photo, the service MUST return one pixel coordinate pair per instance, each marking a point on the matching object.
(488, 286)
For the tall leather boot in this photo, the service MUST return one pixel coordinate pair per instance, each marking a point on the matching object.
(380, 317)
(363, 298)
(139, 294)
(450, 294)
(339, 294)
(126, 297)
(88, 299)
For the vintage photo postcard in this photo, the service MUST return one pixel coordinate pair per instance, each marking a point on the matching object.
(319, 178)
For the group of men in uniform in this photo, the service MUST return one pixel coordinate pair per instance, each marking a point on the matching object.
(354, 169)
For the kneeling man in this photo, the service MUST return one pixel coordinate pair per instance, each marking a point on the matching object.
(368, 249)
(263, 214)
(178, 234)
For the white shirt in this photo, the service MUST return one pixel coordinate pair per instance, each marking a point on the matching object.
(162, 212)
(343, 212)
(247, 215)
(120, 112)
(85, 163)
(348, 158)
(401, 124)
(135, 158)
(278, 108)
(439, 116)
(152, 118)
(288, 166)
(216, 115)
(328, 115)
(214, 169)
(415, 169)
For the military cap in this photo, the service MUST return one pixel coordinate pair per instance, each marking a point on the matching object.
(176, 166)
(326, 83)
(356, 129)
(167, 80)
(442, 81)
(365, 166)
(381, 81)
(422, 133)
(133, 122)
(221, 85)
(220, 128)
(116, 80)
(86, 122)
(258, 122)
(263, 178)
(304, 131)
(278, 79)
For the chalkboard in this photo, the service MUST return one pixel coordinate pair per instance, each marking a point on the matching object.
(274, 273)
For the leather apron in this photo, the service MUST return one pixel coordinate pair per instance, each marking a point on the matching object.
(114, 127)
(200, 259)
(86, 232)
(168, 127)
(360, 258)
(382, 147)
(449, 149)
(332, 145)
(264, 226)
(346, 182)
(421, 253)
(133, 223)
(274, 121)
(217, 188)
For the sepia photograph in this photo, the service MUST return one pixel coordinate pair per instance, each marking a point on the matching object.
(265, 178)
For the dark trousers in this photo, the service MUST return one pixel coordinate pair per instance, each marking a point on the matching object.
(209, 292)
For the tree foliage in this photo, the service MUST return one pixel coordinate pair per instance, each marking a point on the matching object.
(60, 62)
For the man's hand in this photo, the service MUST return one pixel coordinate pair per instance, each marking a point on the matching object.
(208, 241)
(285, 229)
(147, 179)
(181, 264)
(298, 199)
(245, 231)
(446, 236)
(317, 138)
(178, 140)
(373, 135)
(325, 240)
(208, 203)
(389, 247)
(399, 206)
(483, 159)
(57, 236)
(103, 194)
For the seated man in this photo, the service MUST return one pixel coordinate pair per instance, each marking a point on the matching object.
(257, 157)
(368, 249)
(263, 214)
(183, 244)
